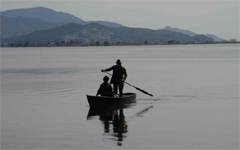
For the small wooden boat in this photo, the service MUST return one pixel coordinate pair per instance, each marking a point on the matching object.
(97, 101)
(104, 106)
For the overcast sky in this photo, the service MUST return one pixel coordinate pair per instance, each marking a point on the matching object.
(219, 17)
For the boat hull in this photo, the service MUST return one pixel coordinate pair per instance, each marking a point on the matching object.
(97, 101)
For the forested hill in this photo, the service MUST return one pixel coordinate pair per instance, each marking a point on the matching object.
(188, 32)
(21, 25)
(97, 32)
(26, 20)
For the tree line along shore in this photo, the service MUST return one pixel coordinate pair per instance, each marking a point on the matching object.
(106, 43)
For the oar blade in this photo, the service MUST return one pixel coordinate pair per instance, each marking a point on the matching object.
(144, 91)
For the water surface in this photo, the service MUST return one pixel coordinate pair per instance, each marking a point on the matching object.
(195, 103)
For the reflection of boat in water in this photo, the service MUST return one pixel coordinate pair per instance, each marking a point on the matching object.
(106, 100)
(115, 125)
(113, 119)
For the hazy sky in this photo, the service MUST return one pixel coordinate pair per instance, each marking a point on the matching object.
(219, 17)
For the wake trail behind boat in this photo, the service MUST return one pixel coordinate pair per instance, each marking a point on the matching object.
(148, 99)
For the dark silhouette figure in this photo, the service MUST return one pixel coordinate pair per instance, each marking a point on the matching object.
(105, 88)
(118, 77)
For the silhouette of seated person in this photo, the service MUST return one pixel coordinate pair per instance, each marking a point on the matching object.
(105, 88)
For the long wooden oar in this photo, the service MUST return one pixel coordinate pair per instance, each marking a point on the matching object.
(134, 86)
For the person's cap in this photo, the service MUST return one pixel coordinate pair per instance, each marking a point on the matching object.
(118, 61)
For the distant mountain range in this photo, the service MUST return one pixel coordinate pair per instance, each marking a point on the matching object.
(97, 32)
(214, 37)
(36, 25)
(50, 15)
(24, 21)
(42, 13)
(16, 26)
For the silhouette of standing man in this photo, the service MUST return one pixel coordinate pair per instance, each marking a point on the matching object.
(118, 77)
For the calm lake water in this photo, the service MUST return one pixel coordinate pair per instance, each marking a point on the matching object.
(195, 103)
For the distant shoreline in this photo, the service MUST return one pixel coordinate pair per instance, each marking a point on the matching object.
(63, 44)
